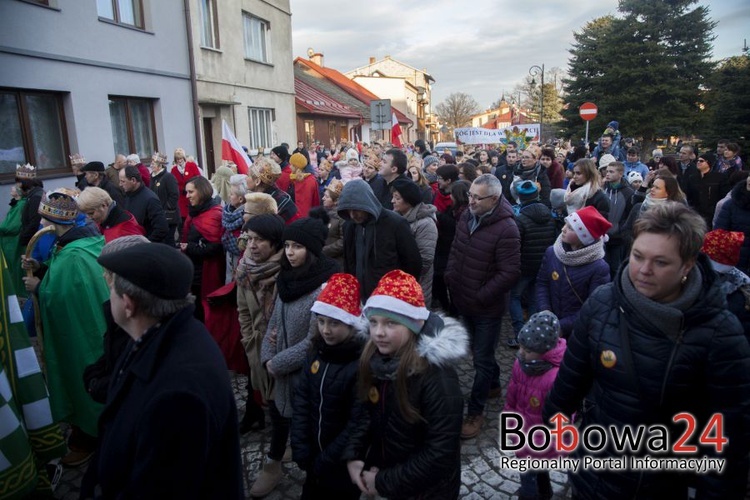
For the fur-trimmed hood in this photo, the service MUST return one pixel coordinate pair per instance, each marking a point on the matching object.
(443, 340)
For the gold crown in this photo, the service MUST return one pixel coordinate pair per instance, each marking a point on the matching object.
(25, 171)
(158, 157)
(59, 208)
(77, 159)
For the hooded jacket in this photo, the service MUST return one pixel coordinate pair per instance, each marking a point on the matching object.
(381, 244)
(698, 362)
(735, 216)
(538, 231)
(620, 203)
(484, 264)
(420, 459)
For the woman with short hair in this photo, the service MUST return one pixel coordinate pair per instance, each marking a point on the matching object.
(658, 342)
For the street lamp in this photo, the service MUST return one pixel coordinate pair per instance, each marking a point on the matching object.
(535, 71)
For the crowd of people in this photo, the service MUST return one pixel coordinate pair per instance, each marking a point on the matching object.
(347, 282)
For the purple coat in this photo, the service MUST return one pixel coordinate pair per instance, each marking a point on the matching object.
(554, 292)
(484, 265)
(526, 395)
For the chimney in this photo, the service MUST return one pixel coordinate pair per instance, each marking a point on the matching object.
(317, 58)
(372, 60)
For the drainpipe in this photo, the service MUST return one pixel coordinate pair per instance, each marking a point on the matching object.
(194, 86)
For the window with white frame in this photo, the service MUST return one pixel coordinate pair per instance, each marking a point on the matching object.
(209, 24)
(261, 127)
(257, 40)
(127, 12)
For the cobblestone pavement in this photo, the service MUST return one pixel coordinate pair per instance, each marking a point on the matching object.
(481, 475)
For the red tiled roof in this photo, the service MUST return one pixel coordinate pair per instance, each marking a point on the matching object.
(317, 102)
(351, 87)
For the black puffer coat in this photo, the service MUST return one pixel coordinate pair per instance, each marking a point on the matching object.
(421, 459)
(323, 403)
(734, 216)
(538, 231)
(704, 370)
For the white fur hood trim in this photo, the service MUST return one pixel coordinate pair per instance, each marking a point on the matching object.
(443, 340)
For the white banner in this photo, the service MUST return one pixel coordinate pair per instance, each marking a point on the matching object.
(521, 134)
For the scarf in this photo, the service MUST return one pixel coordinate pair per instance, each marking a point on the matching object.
(649, 202)
(231, 218)
(295, 283)
(666, 318)
(209, 227)
(534, 367)
(258, 276)
(732, 280)
(579, 257)
(576, 196)
(384, 367)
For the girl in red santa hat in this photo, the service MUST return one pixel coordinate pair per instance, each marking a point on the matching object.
(405, 441)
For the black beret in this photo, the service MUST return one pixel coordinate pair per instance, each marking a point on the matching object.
(161, 270)
(408, 190)
(93, 166)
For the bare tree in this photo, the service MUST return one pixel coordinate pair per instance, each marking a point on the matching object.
(457, 109)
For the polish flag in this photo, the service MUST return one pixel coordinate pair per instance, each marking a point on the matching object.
(231, 150)
(395, 131)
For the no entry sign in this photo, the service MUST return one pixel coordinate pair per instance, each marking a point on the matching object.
(587, 111)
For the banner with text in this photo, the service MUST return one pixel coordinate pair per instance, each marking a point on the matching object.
(521, 134)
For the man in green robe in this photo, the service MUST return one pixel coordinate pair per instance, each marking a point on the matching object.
(71, 290)
(10, 229)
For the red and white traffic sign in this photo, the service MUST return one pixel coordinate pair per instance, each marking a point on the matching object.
(587, 111)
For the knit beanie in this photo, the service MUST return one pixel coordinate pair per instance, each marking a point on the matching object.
(709, 157)
(399, 297)
(309, 232)
(605, 160)
(634, 176)
(408, 190)
(557, 198)
(268, 226)
(723, 248)
(352, 154)
(281, 152)
(588, 224)
(540, 333)
(527, 191)
(298, 161)
(429, 161)
(339, 299)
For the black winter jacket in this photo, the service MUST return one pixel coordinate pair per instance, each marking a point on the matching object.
(704, 191)
(385, 239)
(147, 210)
(704, 370)
(30, 218)
(421, 459)
(484, 265)
(537, 174)
(735, 216)
(620, 204)
(538, 231)
(323, 405)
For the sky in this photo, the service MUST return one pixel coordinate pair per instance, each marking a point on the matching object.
(479, 47)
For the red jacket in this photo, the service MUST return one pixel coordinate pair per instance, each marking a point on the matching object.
(127, 228)
(191, 170)
(306, 195)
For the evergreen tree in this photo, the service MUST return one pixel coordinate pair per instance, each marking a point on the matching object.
(727, 103)
(645, 69)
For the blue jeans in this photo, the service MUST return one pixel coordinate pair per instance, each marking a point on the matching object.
(516, 311)
(484, 333)
(535, 485)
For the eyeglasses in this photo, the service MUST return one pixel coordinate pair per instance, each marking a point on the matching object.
(475, 197)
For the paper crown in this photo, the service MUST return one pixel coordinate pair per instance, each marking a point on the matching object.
(26, 171)
(59, 208)
(335, 187)
(77, 159)
(159, 158)
(340, 299)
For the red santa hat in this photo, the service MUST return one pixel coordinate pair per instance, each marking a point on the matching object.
(399, 296)
(339, 299)
(723, 248)
(588, 224)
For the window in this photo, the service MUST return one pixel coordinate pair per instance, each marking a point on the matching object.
(261, 132)
(132, 126)
(309, 131)
(128, 12)
(32, 129)
(209, 24)
(257, 40)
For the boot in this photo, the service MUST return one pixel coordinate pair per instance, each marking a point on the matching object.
(267, 480)
(254, 418)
